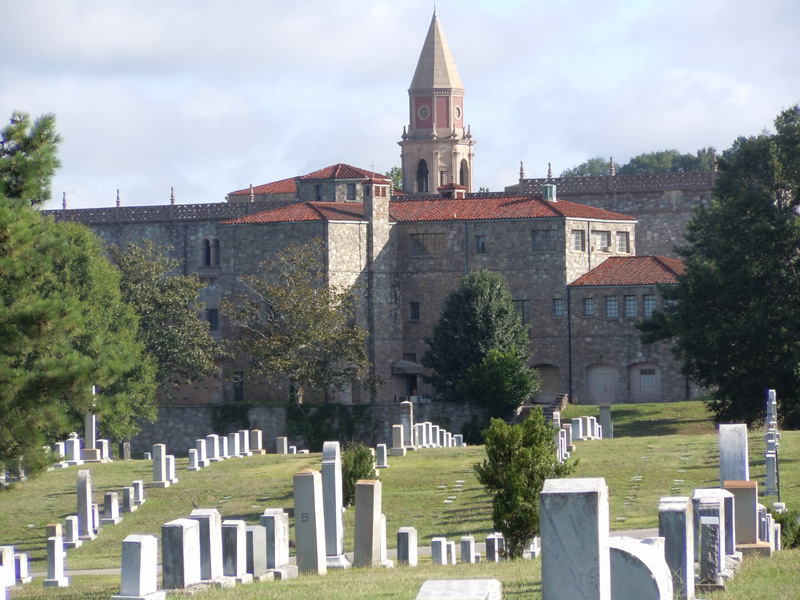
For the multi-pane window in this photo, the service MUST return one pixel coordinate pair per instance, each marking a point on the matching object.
(351, 191)
(524, 309)
(426, 244)
(630, 306)
(612, 307)
(647, 380)
(480, 244)
(544, 240)
(578, 240)
(588, 307)
(558, 307)
(601, 240)
(623, 242)
(648, 305)
(213, 319)
(413, 311)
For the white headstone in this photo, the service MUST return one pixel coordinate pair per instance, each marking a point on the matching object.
(180, 553)
(309, 522)
(638, 569)
(407, 422)
(380, 454)
(439, 551)
(210, 523)
(55, 564)
(332, 502)
(234, 551)
(574, 530)
(170, 459)
(160, 474)
(461, 589)
(139, 569)
(110, 509)
(202, 455)
(407, 546)
(85, 518)
(468, 549)
(72, 538)
(276, 523)
(138, 492)
(734, 464)
(282, 445)
(368, 524)
(676, 526)
(256, 441)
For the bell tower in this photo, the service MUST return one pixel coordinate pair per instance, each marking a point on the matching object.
(437, 149)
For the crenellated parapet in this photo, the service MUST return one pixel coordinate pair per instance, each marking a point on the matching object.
(656, 182)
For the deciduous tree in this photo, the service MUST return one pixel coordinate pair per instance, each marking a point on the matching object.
(292, 323)
(735, 314)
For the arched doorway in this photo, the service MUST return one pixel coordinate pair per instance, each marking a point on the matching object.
(601, 384)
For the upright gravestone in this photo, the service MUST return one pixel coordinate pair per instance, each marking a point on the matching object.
(771, 461)
(257, 553)
(55, 563)
(429, 434)
(492, 548)
(710, 557)
(223, 447)
(734, 464)
(574, 531)
(407, 422)
(638, 569)
(419, 435)
(193, 461)
(234, 449)
(309, 522)
(276, 523)
(398, 443)
(468, 549)
(458, 440)
(368, 525)
(125, 450)
(90, 452)
(110, 509)
(105, 450)
(234, 551)
(202, 453)
(577, 429)
(709, 503)
(128, 502)
(256, 441)
(210, 542)
(434, 436)
(21, 564)
(212, 447)
(85, 517)
(332, 502)
(73, 452)
(282, 445)
(605, 421)
(244, 442)
(160, 474)
(139, 569)
(745, 494)
(173, 477)
(380, 455)
(72, 538)
(407, 546)
(180, 553)
(676, 526)
(439, 551)
(138, 492)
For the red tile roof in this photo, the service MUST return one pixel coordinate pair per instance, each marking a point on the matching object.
(305, 211)
(284, 186)
(437, 209)
(632, 270)
(343, 171)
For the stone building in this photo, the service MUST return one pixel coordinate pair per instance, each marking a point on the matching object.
(568, 248)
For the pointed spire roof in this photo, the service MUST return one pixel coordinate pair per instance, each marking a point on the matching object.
(436, 67)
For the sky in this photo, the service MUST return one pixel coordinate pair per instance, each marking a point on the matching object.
(209, 96)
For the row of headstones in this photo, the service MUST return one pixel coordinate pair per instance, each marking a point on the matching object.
(772, 437)
(408, 435)
(282, 447)
(710, 530)
(13, 569)
(85, 525)
(216, 448)
(443, 551)
(579, 429)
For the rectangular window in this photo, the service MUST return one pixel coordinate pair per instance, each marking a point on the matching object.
(648, 305)
(213, 319)
(588, 307)
(351, 191)
(480, 244)
(558, 307)
(318, 192)
(410, 356)
(647, 381)
(413, 311)
(601, 240)
(544, 240)
(630, 307)
(612, 308)
(426, 244)
(579, 240)
(524, 309)
(623, 242)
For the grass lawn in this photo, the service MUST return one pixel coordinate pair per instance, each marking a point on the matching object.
(658, 450)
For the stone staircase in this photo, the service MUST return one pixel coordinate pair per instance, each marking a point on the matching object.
(547, 408)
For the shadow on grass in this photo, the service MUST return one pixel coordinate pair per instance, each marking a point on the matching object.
(649, 427)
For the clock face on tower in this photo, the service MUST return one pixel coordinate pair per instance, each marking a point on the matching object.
(424, 112)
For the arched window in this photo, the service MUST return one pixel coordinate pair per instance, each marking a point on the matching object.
(211, 253)
(422, 177)
(463, 174)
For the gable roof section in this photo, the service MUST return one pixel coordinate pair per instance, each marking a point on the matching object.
(343, 171)
(436, 209)
(632, 270)
(305, 211)
(284, 186)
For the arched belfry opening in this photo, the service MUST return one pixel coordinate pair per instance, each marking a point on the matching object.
(463, 174)
(422, 177)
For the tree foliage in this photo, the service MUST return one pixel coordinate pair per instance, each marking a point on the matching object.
(500, 383)
(28, 157)
(293, 323)
(735, 320)
(167, 305)
(478, 316)
(519, 459)
(357, 464)
(661, 161)
(396, 175)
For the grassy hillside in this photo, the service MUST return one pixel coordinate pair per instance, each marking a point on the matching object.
(658, 450)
